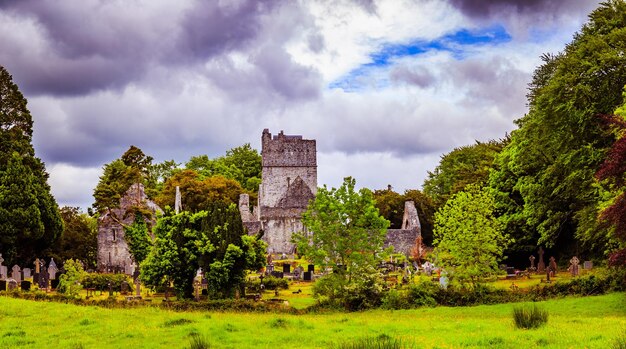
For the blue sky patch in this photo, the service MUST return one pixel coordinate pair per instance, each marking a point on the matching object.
(456, 43)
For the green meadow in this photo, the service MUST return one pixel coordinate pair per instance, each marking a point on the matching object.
(585, 322)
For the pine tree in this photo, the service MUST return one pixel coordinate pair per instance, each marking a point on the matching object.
(29, 215)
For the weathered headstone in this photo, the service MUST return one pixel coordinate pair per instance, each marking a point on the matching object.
(286, 268)
(311, 268)
(541, 265)
(52, 269)
(553, 267)
(124, 288)
(37, 266)
(16, 273)
(26, 272)
(3, 285)
(11, 284)
(43, 279)
(25, 285)
(4, 272)
(307, 276)
(532, 262)
(574, 266)
(587, 265)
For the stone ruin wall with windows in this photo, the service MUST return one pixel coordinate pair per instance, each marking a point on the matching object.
(289, 181)
(113, 253)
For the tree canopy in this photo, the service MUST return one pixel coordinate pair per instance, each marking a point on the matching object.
(468, 237)
(29, 215)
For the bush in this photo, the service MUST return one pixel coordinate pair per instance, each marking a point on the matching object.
(529, 317)
(423, 294)
(101, 281)
(381, 342)
(395, 300)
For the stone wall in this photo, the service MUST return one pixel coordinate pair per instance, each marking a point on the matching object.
(113, 253)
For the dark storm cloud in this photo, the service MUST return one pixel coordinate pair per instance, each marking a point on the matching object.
(98, 46)
(486, 8)
(210, 29)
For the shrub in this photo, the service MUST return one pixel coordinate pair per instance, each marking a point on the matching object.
(381, 342)
(199, 342)
(395, 300)
(101, 281)
(423, 294)
(529, 317)
(70, 281)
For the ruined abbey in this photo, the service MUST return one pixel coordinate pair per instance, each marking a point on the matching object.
(289, 182)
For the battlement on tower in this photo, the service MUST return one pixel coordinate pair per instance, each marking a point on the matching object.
(287, 150)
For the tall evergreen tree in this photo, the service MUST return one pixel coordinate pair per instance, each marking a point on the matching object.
(29, 215)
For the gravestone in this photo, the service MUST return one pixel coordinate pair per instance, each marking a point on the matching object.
(541, 265)
(37, 266)
(54, 283)
(16, 274)
(3, 269)
(307, 276)
(277, 274)
(574, 266)
(286, 268)
(532, 262)
(588, 265)
(25, 285)
(12, 284)
(26, 272)
(553, 267)
(43, 279)
(124, 288)
(311, 268)
(36, 278)
(52, 269)
(3, 285)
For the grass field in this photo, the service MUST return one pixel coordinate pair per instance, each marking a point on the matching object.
(591, 322)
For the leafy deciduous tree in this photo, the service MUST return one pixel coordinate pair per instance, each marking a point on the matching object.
(468, 237)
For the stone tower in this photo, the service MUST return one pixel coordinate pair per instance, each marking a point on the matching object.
(289, 182)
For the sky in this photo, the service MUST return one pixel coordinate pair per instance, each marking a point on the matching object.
(385, 87)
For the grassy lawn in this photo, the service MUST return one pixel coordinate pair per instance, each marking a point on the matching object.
(591, 322)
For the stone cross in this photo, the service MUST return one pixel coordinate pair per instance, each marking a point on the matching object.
(532, 262)
(541, 265)
(37, 265)
(52, 269)
(553, 267)
(574, 266)
(16, 273)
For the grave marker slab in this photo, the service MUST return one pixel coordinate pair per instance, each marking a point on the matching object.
(16, 273)
(311, 268)
(4, 272)
(26, 272)
(12, 284)
(3, 285)
(286, 268)
(52, 269)
(25, 285)
(587, 265)
(307, 276)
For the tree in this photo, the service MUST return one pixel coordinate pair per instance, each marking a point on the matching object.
(462, 166)
(79, 239)
(612, 173)
(197, 192)
(69, 283)
(546, 173)
(213, 240)
(242, 164)
(468, 237)
(118, 175)
(29, 215)
(344, 231)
